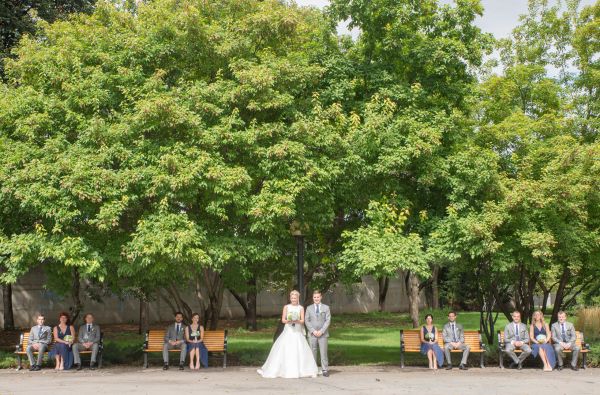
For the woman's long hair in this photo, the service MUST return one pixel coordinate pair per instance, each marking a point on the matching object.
(539, 313)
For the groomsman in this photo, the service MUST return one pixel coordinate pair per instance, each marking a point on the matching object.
(454, 339)
(174, 339)
(317, 320)
(40, 336)
(516, 336)
(564, 336)
(88, 339)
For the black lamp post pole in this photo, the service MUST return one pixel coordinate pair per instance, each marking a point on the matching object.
(300, 268)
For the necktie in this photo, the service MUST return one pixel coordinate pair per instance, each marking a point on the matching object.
(177, 328)
(454, 332)
(89, 328)
(564, 334)
(517, 333)
(317, 309)
(40, 332)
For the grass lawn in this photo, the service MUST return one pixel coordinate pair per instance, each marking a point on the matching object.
(355, 339)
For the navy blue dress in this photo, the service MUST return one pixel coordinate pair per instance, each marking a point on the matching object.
(439, 354)
(200, 346)
(62, 349)
(535, 348)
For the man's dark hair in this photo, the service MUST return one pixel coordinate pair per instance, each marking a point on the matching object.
(178, 313)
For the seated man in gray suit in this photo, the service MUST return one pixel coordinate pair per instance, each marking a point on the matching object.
(516, 336)
(317, 320)
(454, 339)
(40, 336)
(174, 339)
(88, 339)
(564, 338)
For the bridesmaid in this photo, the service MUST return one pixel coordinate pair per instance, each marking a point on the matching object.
(64, 334)
(194, 337)
(429, 344)
(542, 347)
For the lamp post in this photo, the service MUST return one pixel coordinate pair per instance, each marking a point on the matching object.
(296, 231)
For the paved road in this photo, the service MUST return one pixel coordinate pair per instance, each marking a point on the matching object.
(343, 380)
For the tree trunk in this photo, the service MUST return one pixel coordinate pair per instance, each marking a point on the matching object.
(214, 286)
(9, 320)
(413, 298)
(76, 296)
(560, 294)
(384, 283)
(251, 297)
(248, 304)
(144, 310)
(435, 289)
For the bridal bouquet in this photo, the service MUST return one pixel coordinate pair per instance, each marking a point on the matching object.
(541, 338)
(430, 337)
(293, 316)
(195, 335)
(68, 338)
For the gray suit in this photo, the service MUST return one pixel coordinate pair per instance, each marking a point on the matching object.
(318, 322)
(510, 336)
(41, 336)
(172, 334)
(456, 336)
(569, 336)
(85, 336)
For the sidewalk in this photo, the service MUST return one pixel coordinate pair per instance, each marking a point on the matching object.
(343, 380)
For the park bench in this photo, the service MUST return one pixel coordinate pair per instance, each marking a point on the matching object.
(583, 346)
(215, 342)
(410, 342)
(21, 349)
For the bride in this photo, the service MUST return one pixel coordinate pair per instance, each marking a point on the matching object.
(290, 356)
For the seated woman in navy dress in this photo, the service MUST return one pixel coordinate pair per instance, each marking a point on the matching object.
(541, 344)
(64, 335)
(194, 336)
(429, 344)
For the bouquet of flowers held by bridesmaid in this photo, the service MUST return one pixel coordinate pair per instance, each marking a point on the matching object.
(293, 316)
(541, 339)
(68, 339)
(430, 337)
(195, 335)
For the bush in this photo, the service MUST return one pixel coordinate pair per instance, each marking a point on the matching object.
(588, 321)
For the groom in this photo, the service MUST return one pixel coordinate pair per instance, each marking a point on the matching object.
(317, 320)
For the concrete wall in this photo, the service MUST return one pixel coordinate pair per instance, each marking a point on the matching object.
(30, 297)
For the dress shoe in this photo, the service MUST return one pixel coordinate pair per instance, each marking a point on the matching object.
(448, 367)
(78, 366)
(92, 365)
(325, 373)
(574, 368)
(180, 366)
(520, 366)
(513, 365)
(32, 368)
(559, 367)
(38, 368)
(166, 366)
(462, 367)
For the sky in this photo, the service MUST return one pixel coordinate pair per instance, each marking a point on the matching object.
(500, 16)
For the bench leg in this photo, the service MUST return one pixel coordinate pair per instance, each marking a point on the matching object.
(19, 362)
(481, 361)
(584, 361)
(401, 359)
(100, 360)
(501, 359)
(224, 359)
(145, 360)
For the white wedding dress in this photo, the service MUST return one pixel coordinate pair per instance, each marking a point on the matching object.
(290, 356)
